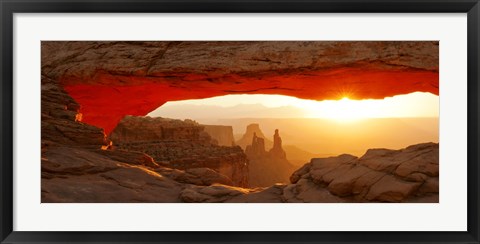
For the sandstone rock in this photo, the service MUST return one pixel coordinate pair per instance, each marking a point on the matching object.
(251, 131)
(294, 155)
(181, 145)
(362, 185)
(430, 186)
(91, 175)
(290, 193)
(257, 148)
(75, 170)
(372, 177)
(209, 176)
(60, 121)
(67, 132)
(307, 191)
(214, 193)
(277, 149)
(75, 174)
(422, 158)
(343, 184)
(390, 189)
(75, 161)
(320, 167)
(112, 79)
(417, 177)
(82, 175)
(192, 196)
(197, 176)
(133, 129)
(130, 157)
(380, 160)
(120, 185)
(129, 177)
(422, 163)
(266, 168)
(305, 169)
(328, 177)
(272, 194)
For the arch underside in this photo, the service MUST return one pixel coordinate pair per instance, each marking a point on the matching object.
(113, 79)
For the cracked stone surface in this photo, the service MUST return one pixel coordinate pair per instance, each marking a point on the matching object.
(84, 175)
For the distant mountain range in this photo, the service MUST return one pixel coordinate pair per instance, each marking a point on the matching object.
(306, 138)
(187, 111)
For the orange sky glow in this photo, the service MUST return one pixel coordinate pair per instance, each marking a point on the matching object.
(417, 104)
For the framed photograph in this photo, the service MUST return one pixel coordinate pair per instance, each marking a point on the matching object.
(227, 122)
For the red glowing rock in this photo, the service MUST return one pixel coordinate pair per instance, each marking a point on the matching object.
(113, 79)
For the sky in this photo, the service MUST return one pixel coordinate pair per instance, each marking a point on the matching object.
(415, 104)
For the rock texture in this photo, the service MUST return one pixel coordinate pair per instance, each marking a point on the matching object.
(61, 120)
(112, 79)
(83, 175)
(181, 145)
(267, 168)
(383, 175)
(79, 164)
(132, 129)
(87, 87)
(76, 174)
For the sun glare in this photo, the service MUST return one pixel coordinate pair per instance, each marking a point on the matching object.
(410, 105)
(416, 104)
(343, 110)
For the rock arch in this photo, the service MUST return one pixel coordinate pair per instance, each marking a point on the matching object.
(113, 79)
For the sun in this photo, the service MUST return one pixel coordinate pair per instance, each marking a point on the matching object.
(346, 110)
(343, 110)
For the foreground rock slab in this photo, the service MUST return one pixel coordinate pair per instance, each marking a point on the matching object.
(381, 175)
(85, 175)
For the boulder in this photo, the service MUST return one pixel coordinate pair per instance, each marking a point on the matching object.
(381, 175)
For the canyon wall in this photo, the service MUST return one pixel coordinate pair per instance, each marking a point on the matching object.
(145, 129)
(181, 145)
(223, 134)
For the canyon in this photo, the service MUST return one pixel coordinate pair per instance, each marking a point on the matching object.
(186, 144)
(266, 168)
(80, 164)
(98, 146)
(182, 145)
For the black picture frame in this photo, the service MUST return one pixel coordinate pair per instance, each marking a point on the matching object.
(9, 7)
